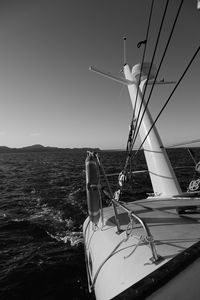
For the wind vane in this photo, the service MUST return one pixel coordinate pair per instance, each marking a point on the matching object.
(141, 42)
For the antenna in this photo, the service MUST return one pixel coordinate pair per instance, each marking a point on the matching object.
(124, 50)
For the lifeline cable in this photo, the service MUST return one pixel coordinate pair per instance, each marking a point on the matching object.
(195, 54)
(163, 56)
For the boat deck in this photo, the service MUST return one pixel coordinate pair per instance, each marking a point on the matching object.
(173, 234)
(171, 231)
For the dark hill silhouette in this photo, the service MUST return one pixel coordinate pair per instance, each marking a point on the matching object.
(41, 148)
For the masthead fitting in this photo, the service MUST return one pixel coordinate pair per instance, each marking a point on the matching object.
(143, 71)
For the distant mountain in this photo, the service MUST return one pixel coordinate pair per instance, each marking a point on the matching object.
(41, 148)
(36, 146)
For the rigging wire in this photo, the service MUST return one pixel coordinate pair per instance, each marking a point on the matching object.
(144, 52)
(149, 72)
(131, 133)
(123, 174)
(163, 56)
(167, 101)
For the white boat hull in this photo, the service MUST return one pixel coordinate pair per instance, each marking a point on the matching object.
(123, 268)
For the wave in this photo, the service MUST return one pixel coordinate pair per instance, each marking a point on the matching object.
(74, 239)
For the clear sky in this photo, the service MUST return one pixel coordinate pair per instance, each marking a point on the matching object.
(48, 95)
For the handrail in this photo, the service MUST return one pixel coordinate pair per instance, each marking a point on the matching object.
(149, 237)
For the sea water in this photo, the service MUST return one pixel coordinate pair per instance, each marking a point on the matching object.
(42, 209)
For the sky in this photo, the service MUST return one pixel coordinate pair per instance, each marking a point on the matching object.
(48, 95)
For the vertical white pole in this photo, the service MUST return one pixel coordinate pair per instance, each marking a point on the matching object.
(124, 50)
(162, 176)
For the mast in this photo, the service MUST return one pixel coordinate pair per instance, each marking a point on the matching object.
(162, 175)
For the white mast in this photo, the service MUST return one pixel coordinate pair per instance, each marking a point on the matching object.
(162, 176)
